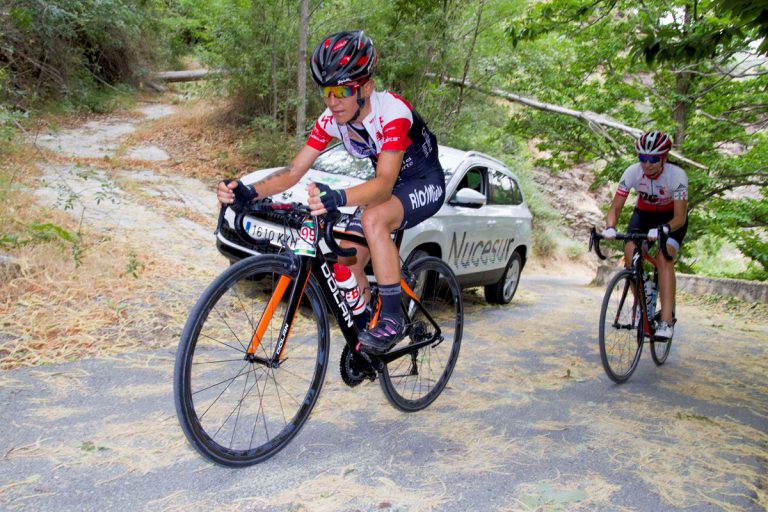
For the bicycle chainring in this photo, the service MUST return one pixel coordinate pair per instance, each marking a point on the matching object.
(352, 368)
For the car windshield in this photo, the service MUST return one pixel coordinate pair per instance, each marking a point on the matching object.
(336, 160)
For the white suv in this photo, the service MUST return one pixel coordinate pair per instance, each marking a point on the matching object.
(483, 231)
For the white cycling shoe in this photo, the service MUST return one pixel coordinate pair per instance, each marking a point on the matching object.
(664, 331)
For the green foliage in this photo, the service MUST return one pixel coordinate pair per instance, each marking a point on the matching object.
(690, 70)
(67, 49)
(10, 124)
(134, 265)
(750, 14)
(687, 67)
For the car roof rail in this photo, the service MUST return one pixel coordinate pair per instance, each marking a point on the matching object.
(488, 157)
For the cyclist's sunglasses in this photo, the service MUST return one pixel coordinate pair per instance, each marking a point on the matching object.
(341, 91)
(649, 159)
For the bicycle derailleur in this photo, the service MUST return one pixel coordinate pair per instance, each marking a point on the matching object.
(354, 368)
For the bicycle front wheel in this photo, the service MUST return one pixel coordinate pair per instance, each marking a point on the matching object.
(237, 408)
(621, 327)
(415, 380)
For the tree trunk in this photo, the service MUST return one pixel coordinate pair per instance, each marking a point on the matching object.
(683, 83)
(301, 99)
(469, 54)
(682, 107)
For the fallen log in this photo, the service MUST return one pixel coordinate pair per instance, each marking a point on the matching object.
(189, 75)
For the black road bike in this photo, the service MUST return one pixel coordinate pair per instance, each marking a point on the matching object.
(625, 320)
(254, 351)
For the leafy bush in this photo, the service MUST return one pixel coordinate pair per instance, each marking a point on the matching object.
(67, 49)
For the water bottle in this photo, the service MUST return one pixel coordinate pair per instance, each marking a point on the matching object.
(650, 297)
(348, 284)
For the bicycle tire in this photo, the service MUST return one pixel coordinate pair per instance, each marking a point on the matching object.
(237, 412)
(415, 380)
(621, 328)
(660, 349)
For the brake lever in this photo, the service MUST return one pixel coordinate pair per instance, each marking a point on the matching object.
(220, 222)
(594, 242)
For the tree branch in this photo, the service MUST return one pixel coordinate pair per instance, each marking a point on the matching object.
(588, 117)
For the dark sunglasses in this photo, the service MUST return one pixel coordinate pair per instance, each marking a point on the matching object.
(649, 159)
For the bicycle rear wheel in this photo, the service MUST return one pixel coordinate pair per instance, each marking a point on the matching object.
(621, 328)
(415, 380)
(236, 409)
(660, 349)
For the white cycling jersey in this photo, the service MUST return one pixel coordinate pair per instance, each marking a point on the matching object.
(656, 194)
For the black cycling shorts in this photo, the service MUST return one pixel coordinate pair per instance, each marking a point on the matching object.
(421, 198)
(642, 222)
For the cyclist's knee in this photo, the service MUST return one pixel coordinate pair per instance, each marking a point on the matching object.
(380, 218)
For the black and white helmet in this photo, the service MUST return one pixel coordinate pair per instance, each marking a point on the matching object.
(343, 58)
(653, 143)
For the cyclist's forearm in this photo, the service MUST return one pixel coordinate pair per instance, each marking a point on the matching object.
(370, 193)
(612, 217)
(379, 189)
(288, 176)
(277, 182)
(680, 216)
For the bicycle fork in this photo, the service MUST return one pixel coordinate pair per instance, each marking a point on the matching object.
(294, 299)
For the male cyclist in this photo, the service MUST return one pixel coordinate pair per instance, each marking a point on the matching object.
(662, 204)
(409, 184)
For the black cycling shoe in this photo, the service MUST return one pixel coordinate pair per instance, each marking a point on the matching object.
(383, 336)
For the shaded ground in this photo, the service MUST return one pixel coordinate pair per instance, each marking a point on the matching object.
(529, 420)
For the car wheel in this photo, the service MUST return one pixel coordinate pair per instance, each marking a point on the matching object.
(503, 291)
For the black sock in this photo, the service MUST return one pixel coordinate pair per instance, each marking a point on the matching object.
(390, 301)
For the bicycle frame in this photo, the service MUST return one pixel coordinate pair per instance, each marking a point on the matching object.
(638, 256)
(306, 266)
(637, 267)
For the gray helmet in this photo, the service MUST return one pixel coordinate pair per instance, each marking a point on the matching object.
(342, 58)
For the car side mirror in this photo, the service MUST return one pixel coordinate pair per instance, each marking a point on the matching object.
(468, 197)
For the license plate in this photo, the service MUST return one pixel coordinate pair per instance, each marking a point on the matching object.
(276, 234)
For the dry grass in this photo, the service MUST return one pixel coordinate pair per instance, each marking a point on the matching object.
(587, 492)
(685, 457)
(200, 138)
(139, 447)
(60, 306)
(96, 295)
(56, 310)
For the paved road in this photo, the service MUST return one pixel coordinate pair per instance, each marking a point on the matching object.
(529, 422)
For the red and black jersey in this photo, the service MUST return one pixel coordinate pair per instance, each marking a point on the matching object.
(392, 124)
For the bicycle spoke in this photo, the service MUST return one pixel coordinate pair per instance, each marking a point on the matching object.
(620, 328)
(414, 380)
(234, 410)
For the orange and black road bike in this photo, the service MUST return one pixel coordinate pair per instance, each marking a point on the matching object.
(254, 351)
(628, 317)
